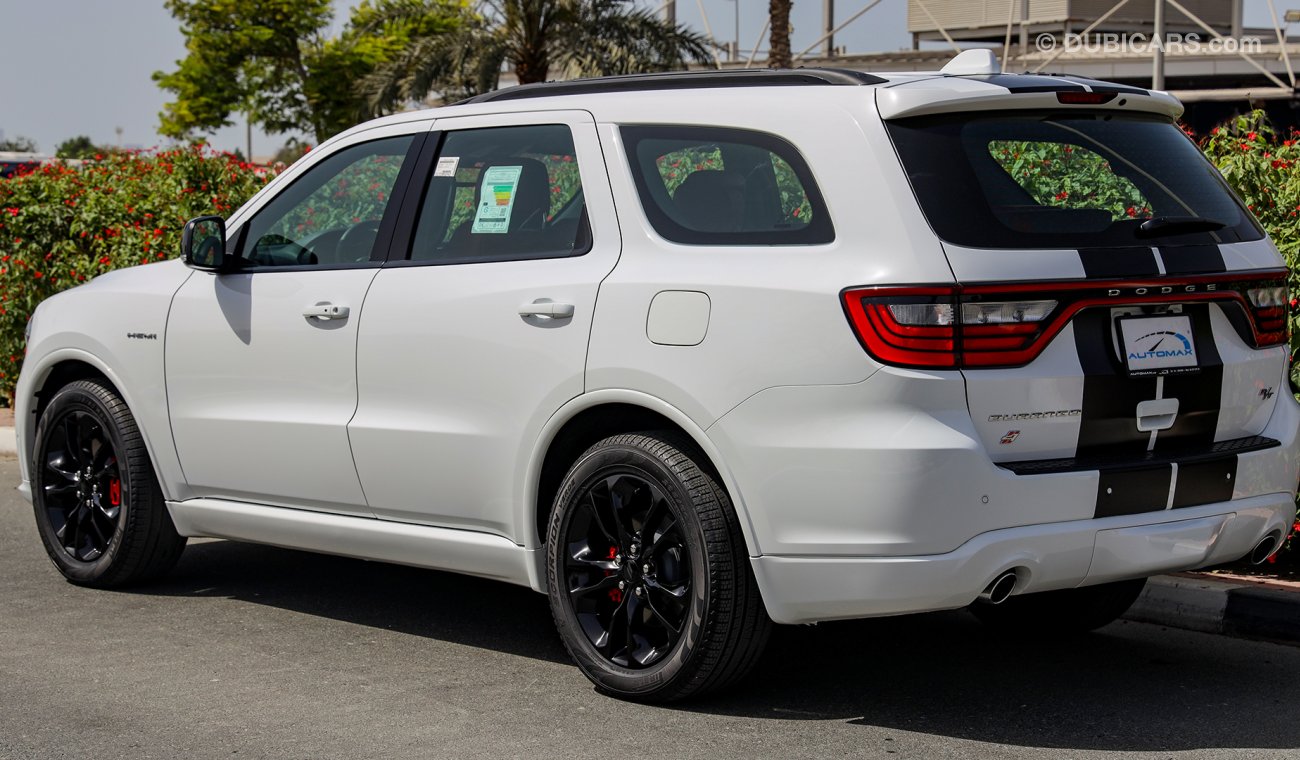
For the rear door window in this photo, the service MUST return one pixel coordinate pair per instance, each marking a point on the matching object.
(503, 194)
(718, 186)
(1044, 180)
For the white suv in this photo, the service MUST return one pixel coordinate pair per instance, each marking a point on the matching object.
(693, 353)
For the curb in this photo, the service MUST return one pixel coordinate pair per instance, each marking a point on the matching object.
(1230, 607)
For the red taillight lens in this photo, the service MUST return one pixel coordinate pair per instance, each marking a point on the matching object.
(1268, 307)
(1084, 98)
(1009, 324)
(937, 328)
(906, 327)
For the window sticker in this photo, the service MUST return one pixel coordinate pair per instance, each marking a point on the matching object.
(496, 199)
(447, 166)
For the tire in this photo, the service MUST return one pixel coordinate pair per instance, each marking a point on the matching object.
(99, 510)
(1064, 612)
(639, 501)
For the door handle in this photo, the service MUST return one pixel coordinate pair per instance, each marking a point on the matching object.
(326, 311)
(549, 309)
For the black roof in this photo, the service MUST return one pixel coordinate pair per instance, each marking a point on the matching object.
(683, 80)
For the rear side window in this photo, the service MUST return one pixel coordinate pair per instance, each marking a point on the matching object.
(503, 194)
(1043, 180)
(718, 186)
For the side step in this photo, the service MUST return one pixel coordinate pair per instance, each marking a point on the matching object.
(460, 551)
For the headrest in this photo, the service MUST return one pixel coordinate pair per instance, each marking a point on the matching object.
(711, 201)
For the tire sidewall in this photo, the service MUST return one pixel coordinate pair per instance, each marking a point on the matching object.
(597, 463)
(78, 398)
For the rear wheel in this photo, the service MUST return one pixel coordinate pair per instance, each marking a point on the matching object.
(1063, 612)
(648, 577)
(98, 508)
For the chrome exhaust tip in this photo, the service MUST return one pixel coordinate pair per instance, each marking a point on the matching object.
(1265, 548)
(1001, 588)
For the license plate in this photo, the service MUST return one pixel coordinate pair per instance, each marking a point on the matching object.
(1158, 345)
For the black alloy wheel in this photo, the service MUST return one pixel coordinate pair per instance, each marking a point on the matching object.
(628, 569)
(98, 505)
(648, 575)
(82, 488)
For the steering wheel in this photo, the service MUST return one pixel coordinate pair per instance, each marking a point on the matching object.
(361, 233)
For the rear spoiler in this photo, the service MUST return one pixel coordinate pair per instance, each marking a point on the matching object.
(945, 93)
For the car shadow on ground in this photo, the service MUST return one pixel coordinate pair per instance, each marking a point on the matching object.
(1129, 687)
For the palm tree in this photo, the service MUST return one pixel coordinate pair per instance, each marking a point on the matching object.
(577, 38)
(778, 56)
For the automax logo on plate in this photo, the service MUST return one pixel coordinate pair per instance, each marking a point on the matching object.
(1162, 347)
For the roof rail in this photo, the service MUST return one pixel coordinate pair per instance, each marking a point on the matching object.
(681, 80)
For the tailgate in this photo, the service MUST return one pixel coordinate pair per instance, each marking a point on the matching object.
(1117, 303)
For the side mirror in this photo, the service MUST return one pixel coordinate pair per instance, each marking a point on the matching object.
(203, 244)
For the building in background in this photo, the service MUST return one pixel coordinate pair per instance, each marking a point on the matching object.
(1209, 59)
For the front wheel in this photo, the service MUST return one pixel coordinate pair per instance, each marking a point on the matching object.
(98, 508)
(648, 577)
(1063, 612)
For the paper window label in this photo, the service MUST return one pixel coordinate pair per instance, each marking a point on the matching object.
(499, 186)
(447, 166)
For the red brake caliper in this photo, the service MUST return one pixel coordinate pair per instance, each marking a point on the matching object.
(615, 594)
(115, 492)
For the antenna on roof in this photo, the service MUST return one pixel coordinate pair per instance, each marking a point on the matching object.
(974, 61)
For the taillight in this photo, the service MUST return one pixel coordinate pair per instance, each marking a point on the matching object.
(919, 327)
(1008, 325)
(1268, 307)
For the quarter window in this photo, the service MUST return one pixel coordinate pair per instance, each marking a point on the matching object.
(503, 194)
(330, 216)
(715, 186)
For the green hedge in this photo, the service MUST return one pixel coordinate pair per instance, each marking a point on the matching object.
(62, 224)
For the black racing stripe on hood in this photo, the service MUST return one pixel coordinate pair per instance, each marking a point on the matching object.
(1199, 394)
(1193, 259)
(1108, 414)
(1106, 263)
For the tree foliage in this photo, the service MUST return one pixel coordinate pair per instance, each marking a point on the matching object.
(274, 61)
(538, 38)
(80, 146)
(18, 144)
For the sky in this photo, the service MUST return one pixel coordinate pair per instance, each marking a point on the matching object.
(72, 67)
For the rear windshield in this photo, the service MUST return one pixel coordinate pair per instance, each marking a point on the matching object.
(1035, 180)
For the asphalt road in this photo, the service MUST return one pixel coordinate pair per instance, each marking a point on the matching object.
(255, 652)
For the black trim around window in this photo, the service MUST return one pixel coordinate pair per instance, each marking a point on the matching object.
(388, 225)
(418, 188)
(818, 232)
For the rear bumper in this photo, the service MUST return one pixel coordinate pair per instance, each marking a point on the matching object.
(1045, 557)
(893, 467)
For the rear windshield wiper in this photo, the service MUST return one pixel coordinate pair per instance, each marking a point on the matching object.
(1177, 225)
